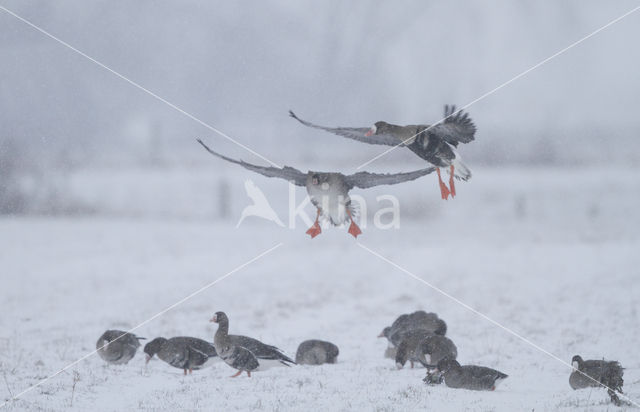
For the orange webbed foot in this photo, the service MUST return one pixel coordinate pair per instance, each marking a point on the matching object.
(314, 230)
(354, 230)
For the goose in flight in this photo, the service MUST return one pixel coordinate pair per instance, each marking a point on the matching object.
(329, 192)
(434, 143)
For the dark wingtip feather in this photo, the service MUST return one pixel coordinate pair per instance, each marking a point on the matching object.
(461, 117)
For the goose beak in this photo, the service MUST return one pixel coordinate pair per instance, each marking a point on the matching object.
(381, 335)
(214, 319)
(371, 131)
(147, 359)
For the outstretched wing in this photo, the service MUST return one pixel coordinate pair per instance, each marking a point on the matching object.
(288, 173)
(365, 180)
(458, 128)
(355, 133)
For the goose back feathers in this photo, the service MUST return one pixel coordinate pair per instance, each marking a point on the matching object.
(316, 352)
(596, 373)
(117, 347)
(184, 352)
(471, 377)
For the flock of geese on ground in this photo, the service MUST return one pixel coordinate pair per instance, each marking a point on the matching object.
(417, 337)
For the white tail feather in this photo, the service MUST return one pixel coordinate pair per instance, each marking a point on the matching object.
(460, 171)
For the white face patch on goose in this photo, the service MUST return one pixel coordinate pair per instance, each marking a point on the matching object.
(574, 364)
(371, 131)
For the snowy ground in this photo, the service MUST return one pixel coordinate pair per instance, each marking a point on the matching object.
(552, 254)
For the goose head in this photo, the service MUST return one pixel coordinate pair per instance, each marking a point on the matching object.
(219, 317)
(320, 180)
(447, 364)
(385, 332)
(153, 347)
(576, 362)
(378, 128)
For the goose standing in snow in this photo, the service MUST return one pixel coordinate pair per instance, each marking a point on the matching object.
(117, 347)
(182, 352)
(598, 373)
(243, 353)
(435, 348)
(476, 378)
(409, 348)
(436, 143)
(418, 320)
(316, 352)
(329, 192)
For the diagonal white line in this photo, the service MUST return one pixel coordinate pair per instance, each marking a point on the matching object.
(482, 315)
(162, 312)
(131, 82)
(489, 93)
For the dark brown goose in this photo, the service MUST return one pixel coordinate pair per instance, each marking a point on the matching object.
(184, 352)
(329, 192)
(597, 373)
(418, 320)
(471, 377)
(434, 143)
(117, 347)
(316, 352)
(435, 348)
(245, 354)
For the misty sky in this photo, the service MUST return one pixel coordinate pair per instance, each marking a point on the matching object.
(239, 66)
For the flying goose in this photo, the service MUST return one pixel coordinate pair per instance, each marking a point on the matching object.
(329, 192)
(476, 378)
(316, 352)
(436, 143)
(245, 354)
(117, 347)
(182, 352)
(598, 373)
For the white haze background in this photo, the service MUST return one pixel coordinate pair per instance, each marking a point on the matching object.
(111, 211)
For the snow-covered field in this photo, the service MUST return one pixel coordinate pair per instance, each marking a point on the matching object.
(551, 254)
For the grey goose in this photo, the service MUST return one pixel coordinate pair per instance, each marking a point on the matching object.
(597, 373)
(435, 348)
(329, 192)
(471, 377)
(316, 352)
(418, 320)
(117, 347)
(434, 143)
(183, 352)
(243, 353)
(409, 347)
